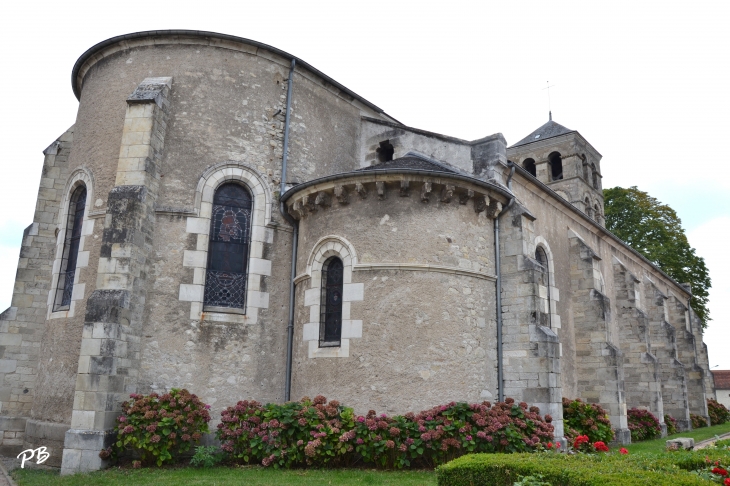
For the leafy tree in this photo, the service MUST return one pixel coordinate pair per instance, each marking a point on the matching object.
(654, 230)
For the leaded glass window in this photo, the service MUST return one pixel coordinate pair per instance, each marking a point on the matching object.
(330, 309)
(70, 253)
(230, 227)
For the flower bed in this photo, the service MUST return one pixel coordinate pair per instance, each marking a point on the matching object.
(643, 425)
(318, 433)
(718, 413)
(589, 419)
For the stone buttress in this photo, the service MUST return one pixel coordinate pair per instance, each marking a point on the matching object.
(679, 318)
(641, 366)
(671, 370)
(600, 375)
(531, 347)
(110, 346)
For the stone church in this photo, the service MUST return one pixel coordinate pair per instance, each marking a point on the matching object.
(225, 217)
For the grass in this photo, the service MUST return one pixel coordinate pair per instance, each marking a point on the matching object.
(221, 476)
(698, 435)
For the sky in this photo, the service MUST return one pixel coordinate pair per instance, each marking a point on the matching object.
(645, 82)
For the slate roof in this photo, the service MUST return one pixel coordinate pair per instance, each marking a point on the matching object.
(410, 162)
(548, 130)
(722, 379)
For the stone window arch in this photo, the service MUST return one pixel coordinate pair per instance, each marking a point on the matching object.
(257, 267)
(529, 165)
(326, 251)
(555, 161)
(330, 307)
(549, 295)
(74, 225)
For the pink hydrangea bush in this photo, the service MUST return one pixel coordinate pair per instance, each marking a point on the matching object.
(159, 427)
(317, 433)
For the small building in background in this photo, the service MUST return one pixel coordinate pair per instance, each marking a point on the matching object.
(722, 386)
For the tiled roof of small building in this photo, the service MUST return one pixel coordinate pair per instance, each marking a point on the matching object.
(410, 162)
(548, 130)
(722, 379)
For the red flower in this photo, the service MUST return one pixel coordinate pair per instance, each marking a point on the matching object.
(600, 446)
(720, 471)
(623, 450)
(549, 445)
(726, 482)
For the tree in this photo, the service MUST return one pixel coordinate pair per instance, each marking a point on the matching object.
(654, 230)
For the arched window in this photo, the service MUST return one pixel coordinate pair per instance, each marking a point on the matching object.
(556, 166)
(529, 166)
(230, 227)
(596, 212)
(589, 211)
(544, 277)
(70, 249)
(595, 176)
(330, 309)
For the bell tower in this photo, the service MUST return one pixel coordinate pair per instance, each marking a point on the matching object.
(564, 161)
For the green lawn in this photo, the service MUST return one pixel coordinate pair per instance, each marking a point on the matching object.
(250, 476)
(698, 435)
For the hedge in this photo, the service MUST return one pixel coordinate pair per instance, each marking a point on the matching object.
(576, 470)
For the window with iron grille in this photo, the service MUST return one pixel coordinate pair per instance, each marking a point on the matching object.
(330, 309)
(230, 226)
(70, 254)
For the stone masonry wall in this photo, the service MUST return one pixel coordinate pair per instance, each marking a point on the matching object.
(21, 325)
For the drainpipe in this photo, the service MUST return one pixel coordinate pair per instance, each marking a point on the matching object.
(294, 238)
(500, 366)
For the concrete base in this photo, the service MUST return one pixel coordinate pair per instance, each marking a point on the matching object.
(49, 435)
(623, 437)
(12, 433)
(81, 450)
(664, 429)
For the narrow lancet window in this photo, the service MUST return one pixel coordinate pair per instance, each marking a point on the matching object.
(330, 310)
(529, 166)
(70, 253)
(595, 177)
(544, 278)
(230, 227)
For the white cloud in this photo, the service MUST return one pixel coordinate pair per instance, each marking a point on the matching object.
(711, 242)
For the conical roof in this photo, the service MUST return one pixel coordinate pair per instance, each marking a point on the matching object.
(548, 130)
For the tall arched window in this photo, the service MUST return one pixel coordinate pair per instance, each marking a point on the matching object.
(330, 309)
(595, 176)
(70, 249)
(230, 227)
(544, 277)
(589, 211)
(556, 166)
(529, 166)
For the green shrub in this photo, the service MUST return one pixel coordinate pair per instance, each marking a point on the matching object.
(572, 470)
(589, 419)
(159, 427)
(698, 421)
(718, 413)
(206, 456)
(643, 425)
(318, 433)
(671, 423)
